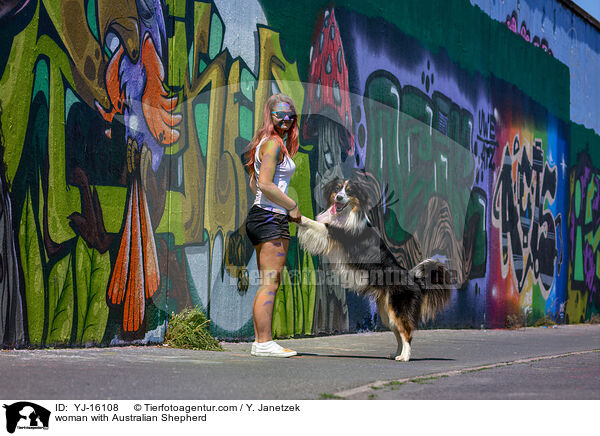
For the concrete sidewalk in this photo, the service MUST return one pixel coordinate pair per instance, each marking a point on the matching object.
(346, 366)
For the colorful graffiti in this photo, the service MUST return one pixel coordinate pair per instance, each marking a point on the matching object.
(156, 117)
(420, 143)
(67, 236)
(512, 23)
(123, 193)
(570, 39)
(210, 199)
(328, 123)
(529, 233)
(584, 234)
(528, 203)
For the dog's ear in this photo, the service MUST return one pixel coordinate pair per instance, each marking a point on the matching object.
(367, 185)
(330, 188)
(357, 189)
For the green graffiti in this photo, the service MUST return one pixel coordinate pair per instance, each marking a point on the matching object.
(33, 267)
(191, 62)
(92, 18)
(247, 84)
(217, 34)
(41, 81)
(92, 274)
(201, 111)
(60, 302)
(246, 122)
(417, 160)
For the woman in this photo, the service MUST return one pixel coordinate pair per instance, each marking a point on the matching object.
(271, 167)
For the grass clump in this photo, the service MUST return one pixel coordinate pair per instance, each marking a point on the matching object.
(330, 397)
(393, 385)
(515, 321)
(423, 380)
(594, 319)
(188, 329)
(544, 322)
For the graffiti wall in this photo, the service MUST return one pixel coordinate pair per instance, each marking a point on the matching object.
(561, 33)
(528, 208)
(124, 195)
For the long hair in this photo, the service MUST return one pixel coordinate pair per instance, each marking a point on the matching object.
(267, 130)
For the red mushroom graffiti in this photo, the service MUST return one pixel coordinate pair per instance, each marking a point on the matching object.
(328, 116)
(328, 121)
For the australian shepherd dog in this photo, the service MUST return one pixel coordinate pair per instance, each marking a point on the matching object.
(359, 254)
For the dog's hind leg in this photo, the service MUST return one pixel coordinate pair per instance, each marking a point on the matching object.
(399, 340)
(382, 308)
(405, 331)
(389, 318)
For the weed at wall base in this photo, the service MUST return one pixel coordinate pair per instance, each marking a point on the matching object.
(188, 330)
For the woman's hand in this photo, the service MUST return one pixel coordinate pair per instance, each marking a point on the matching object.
(295, 215)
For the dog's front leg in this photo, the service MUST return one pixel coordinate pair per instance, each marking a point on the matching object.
(313, 236)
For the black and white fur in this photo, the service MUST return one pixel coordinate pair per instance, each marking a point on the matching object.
(356, 251)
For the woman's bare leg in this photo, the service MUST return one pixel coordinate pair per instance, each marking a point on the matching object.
(270, 256)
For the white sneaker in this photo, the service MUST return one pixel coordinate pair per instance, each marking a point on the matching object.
(270, 349)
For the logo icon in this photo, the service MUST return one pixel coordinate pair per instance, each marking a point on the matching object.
(25, 415)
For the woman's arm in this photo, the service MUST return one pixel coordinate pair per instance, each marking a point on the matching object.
(269, 156)
(253, 183)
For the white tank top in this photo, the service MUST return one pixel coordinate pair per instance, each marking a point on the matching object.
(281, 178)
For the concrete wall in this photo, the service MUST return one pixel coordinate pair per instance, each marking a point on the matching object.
(123, 195)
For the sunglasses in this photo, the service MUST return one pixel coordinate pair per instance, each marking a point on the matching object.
(280, 115)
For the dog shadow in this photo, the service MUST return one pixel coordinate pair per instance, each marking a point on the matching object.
(356, 356)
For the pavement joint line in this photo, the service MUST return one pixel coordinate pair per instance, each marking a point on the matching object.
(383, 383)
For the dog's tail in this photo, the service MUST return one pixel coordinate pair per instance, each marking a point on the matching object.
(436, 285)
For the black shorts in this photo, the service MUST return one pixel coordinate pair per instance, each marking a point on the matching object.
(263, 225)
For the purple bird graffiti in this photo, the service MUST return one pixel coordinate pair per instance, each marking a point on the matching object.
(138, 93)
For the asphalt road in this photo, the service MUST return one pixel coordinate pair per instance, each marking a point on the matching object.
(560, 362)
